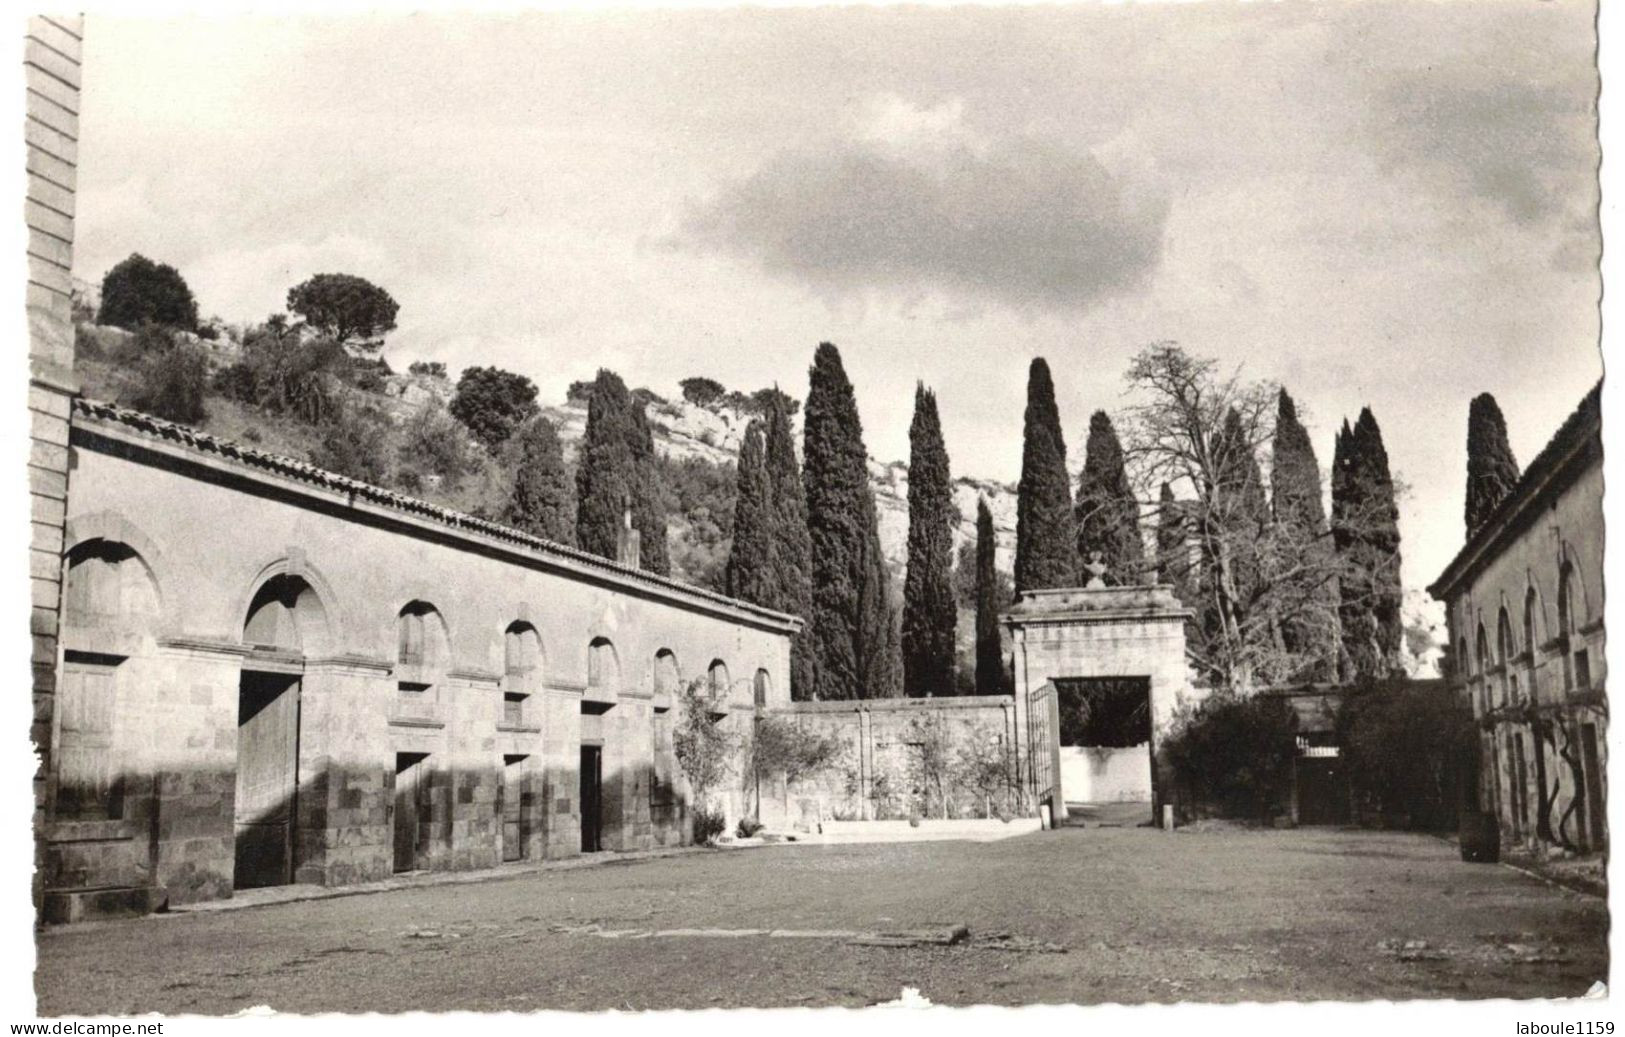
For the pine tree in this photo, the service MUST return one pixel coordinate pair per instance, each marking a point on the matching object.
(749, 574)
(1108, 516)
(1046, 542)
(616, 471)
(1492, 471)
(1309, 634)
(929, 611)
(852, 635)
(791, 554)
(989, 649)
(540, 502)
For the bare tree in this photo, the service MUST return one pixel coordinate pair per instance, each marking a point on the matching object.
(1204, 433)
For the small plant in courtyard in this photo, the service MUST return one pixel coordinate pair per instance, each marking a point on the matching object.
(705, 750)
(708, 824)
(748, 827)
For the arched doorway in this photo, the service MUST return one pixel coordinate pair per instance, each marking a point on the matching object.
(284, 618)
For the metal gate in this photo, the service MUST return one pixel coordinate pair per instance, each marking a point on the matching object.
(1043, 745)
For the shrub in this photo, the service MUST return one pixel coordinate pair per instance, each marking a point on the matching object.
(432, 441)
(367, 373)
(1404, 745)
(354, 443)
(704, 747)
(748, 827)
(173, 381)
(1232, 754)
(139, 291)
(708, 824)
(648, 397)
(579, 393)
(427, 368)
(283, 372)
(784, 747)
(701, 391)
(492, 403)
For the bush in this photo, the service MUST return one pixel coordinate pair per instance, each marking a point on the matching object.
(1404, 746)
(708, 824)
(354, 443)
(173, 379)
(701, 391)
(748, 827)
(1232, 755)
(427, 368)
(704, 747)
(579, 393)
(433, 442)
(283, 372)
(367, 373)
(139, 291)
(492, 403)
(350, 310)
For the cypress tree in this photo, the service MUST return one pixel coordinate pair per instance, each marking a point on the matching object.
(1365, 530)
(1046, 543)
(616, 471)
(540, 502)
(648, 513)
(989, 649)
(1492, 471)
(748, 574)
(1173, 546)
(853, 639)
(929, 611)
(1301, 516)
(1108, 516)
(790, 582)
(606, 471)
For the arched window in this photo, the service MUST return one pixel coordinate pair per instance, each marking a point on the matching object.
(718, 673)
(1565, 600)
(1506, 647)
(1484, 668)
(422, 649)
(667, 677)
(761, 686)
(1464, 659)
(285, 615)
(602, 668)
(1530, 604)
(521, 670)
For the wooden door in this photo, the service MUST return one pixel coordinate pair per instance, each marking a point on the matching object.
(513, 812)
(87, 780)
(591, 798)
(267, 778)
(1596, 807)
(410, 788)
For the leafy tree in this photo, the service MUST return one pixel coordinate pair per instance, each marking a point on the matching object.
(427, 368)
(284, 372)
(1296, 504)
(991, 597)
(350, 310)
(1492, 471)
(783, 747)
(138, 291)
(355, 443)
(762, 401)
(749, 574)
(853, 637)
(616, 473)
(1107, 512)
(540, 503)
(1200, 431)
(492, 403)
(1404, 743)
(792, 553)
(929, 612)
(433, 443)
(174, 377)
(701, 392)
(1365, 533)
(704, 747)
(1046, 541)
(1174, 566)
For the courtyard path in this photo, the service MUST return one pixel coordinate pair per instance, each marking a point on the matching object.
(1223, 915)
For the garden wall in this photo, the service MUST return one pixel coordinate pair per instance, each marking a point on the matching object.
(938, 757)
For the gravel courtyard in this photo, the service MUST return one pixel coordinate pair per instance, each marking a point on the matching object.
(1222, 915)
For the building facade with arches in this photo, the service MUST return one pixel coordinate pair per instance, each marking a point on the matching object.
(270, 674)
(1524, 600)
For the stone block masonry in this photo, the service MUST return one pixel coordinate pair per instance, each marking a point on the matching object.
(272, 674)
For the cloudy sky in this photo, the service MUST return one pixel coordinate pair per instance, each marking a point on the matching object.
(1390, 205)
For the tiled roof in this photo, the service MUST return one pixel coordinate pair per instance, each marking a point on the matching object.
(1586, 420)
(304, 471)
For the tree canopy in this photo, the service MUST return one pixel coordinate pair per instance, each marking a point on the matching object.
(1046, 538)
(540, 502)
(1492, 471)
(929, 610)
(138, 291)
(1108, 515)
(492, 403)
(350, 310)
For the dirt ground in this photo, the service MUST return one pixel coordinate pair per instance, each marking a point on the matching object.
(1142, 915)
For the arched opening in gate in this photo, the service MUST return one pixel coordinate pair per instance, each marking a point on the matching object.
(285, 619)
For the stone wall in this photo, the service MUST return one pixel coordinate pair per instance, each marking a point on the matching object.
(1106, 774)
(51, 58)
(884, 768)
(171, 549)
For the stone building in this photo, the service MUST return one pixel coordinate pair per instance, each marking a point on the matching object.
(1524, 601)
